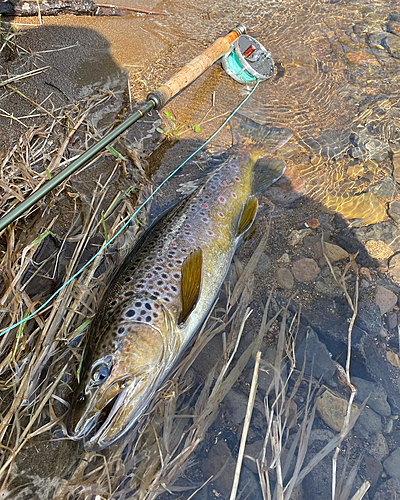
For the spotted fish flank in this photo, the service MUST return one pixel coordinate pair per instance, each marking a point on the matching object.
(165, 289)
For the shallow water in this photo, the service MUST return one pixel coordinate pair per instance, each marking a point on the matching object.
(337, 89)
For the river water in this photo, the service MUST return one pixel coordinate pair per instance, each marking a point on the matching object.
(337, 89)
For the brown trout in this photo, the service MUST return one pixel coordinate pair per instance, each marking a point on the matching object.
(165, 289)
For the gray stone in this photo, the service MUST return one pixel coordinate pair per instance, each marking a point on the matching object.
(368, 147)
(385, 188)
(329, 287)
(393, 44)
(391, 320)
(330, 317)
(394, 268)
(378, 447)
(236, 405)
(254, 450)
(305, 270)
(386, 231)
(376, 394)
(368, 423)
(389, 490)
(335, 252)
(369, 317)
(394, 208)
(318, 359)
(284, 278)
(220, 457)
(385, 299)
(392, 464)
(373, 469)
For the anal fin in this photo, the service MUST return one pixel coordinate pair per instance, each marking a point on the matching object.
(192, 271)
(248, 215)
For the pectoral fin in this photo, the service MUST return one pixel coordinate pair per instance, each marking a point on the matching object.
(192, 270)
(248, 215)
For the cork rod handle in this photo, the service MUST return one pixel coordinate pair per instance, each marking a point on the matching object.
(194, 68)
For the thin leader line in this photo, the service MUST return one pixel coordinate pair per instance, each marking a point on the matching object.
(133, 215)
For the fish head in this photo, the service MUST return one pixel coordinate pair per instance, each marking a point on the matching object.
(116, 386)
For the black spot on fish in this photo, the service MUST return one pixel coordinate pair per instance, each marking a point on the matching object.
(148, 319)
(147, 306)
(174, 288)
(138, 304)
(160, 282)
(121, 330)
(142, 312)
(128, 293)
(130, 313)
(155, 315)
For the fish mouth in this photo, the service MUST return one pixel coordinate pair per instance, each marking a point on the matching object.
(94, 422)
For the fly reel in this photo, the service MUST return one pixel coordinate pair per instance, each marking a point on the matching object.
(248, 60)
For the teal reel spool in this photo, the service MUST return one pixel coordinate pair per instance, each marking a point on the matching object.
(248, 61)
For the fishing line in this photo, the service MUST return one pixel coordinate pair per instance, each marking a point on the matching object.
(133, 215)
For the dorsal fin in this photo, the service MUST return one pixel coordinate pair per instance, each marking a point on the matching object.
(192, 271)
(265, 172)
(248, 216)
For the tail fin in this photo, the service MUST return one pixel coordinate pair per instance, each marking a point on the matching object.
(266, 171)
(265, 139)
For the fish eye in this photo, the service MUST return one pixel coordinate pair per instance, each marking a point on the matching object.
(100, 373)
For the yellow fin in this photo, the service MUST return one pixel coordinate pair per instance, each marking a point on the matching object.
(192, 270)
(248, 216)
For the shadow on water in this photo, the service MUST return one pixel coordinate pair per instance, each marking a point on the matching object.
(293, 264)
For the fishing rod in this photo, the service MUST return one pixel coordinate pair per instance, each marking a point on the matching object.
(244, 59)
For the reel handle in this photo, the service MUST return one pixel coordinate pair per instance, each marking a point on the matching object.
(194, 68)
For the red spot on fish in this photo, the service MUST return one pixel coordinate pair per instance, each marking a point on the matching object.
(234, 195)
(220, 214)
(191, 240)
(204, 219)
(222, 199)
(210, 233)
(237, 179)
(223, 183)
(173, 244)
(234, 165)
(204, 205)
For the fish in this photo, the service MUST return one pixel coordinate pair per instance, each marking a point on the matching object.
(166, 288)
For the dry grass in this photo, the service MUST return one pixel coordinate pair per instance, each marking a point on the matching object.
(38, 359)
(35, 356)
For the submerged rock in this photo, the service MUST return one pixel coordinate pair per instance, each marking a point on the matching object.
(378, 447)
(368, 423)
(284, 278)
(332, 409)
(385, 299)
(220, 457)
(376, 394)
(394, 210)
(318, 359)
(388, 490)
(392, 464)
(305, 270)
